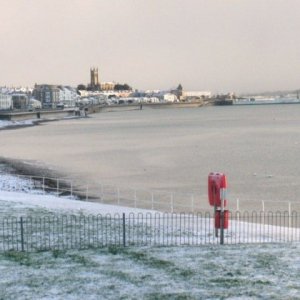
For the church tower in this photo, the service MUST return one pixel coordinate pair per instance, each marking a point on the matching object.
(94, 78)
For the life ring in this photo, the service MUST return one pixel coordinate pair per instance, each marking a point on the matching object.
(217, 183)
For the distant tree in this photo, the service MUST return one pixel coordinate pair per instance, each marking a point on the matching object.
(127, 87)
(81, 87)
(122, 87)
(179, 88)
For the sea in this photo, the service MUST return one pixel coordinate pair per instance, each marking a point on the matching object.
(174, 150)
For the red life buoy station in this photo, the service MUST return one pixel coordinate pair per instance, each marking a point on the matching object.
(217, 188)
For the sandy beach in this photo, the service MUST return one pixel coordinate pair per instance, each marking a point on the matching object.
(172, 150)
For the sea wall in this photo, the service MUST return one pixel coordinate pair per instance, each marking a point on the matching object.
(32, 115)
(60, 114)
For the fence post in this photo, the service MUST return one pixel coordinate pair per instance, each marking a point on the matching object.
(222, 216)
(22, 234)
(237, 204)
(101, 192)
(71, 188)
(152, 201)
(289, 214)
(263, 210)
(135, 198)
(57, 186)
(118, 195)
(43, 184)
(193, 203)
(124, 232)
(172, 203)
(238, 209)
(87, 193)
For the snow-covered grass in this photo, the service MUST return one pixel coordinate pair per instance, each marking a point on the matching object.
(266, 271)
(210, 272)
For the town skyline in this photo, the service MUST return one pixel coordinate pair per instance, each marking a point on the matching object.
(221, 46)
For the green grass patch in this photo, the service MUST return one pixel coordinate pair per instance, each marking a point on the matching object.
(18, 257)
(82, 260)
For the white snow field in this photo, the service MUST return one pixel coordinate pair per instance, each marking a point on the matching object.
(247, 271)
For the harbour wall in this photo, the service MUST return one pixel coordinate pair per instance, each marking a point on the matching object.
(60, 114)
(37, 115)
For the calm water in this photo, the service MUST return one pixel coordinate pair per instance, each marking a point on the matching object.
(258, 147)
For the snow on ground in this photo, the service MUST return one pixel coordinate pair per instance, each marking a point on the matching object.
(210, 272)
(20, 192)
(9, 124)
(62, 205)
(18, 198)
(268, 271)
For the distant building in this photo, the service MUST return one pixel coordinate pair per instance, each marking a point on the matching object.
(194, 95)
(107, 86)
(169, 97)
(20, 101)
(47, 94)
(6, 102)
(94, 84)
(67, 96)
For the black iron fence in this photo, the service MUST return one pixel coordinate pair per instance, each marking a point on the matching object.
(135, 229)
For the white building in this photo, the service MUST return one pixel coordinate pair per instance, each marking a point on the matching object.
(196, 94)
(168, 97)
(67, 96)
(6, 102)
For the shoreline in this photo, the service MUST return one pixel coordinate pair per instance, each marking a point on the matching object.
(43, 116)
(15, 167)
(17, 124)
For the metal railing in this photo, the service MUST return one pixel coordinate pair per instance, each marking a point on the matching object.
(151, 229)
(137, 198)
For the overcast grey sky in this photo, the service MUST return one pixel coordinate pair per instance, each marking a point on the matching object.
(218, 45)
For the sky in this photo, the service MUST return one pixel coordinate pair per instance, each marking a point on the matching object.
(218, 45)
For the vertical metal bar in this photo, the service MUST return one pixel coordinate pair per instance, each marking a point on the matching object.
(44, 184)
(118, 195)
(222, 217)
(193, 204)
(289, 215)
(22, 233)
(57, 186)
(87, 193)
(237, 210)
(152, 201)
(172, 203)
(101, 193)
(214, 220)
(124, 230)
(31, 182)
(135, 198)
(263, 210)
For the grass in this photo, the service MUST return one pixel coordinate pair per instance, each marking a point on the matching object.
(18, 257)
(152, 273)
